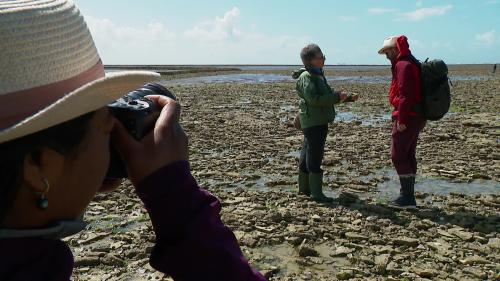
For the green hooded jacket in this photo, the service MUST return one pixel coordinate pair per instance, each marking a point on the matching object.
(317, 99)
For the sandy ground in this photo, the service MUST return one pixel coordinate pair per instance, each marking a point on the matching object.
(244, 150)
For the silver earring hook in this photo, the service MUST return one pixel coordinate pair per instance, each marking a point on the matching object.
(42, 202)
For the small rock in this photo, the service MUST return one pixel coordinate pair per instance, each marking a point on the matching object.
(381, 249)
(316, 218)
(269, 229)
(91, 237)
(275, 217)
(494, 243)
(234, 201)
(249, 241)
(87, 262)
(409, 275)
(294, 240)
(270, 272)
(342, 251)
(346, 198)
(307, 251)
(365, 259)
(345, 274)
(287, 216)
(476, 272)
(355, 236)
(393, 267)
(404, 241)
(478, 176)
(440, 246)
(446, 234)
(426, 272)
(112, 260)
(381, 262)
(466, 236)
(474, 260)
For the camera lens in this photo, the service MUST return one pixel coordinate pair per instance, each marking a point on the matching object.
(158, 89)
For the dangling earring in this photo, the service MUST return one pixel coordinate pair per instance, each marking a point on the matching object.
(42, 202)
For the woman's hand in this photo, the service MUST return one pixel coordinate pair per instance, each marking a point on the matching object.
(167, 143)
(343, 96)
(400, 127)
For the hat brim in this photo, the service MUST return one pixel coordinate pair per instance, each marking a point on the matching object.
(85, 99)
(383, 50)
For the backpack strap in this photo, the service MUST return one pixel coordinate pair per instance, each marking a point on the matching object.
(418, 107)
(413, 60)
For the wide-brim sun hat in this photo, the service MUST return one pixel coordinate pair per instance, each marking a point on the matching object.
(389, 42)
(50, 71)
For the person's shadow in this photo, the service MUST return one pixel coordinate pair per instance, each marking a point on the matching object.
(462, 218)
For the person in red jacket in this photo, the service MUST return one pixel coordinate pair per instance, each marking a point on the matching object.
(405, 94)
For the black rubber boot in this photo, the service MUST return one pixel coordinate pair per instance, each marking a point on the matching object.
(304, 184)
(316, 186)
(406, 199)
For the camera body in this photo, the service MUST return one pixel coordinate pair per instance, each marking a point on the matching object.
(138, 115)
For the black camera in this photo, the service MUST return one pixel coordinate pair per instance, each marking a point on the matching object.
(138, 115)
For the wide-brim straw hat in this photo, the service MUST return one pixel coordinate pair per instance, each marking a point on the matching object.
(389, 42)
(50, 71)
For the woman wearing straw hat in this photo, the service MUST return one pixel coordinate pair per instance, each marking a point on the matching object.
(54, 154)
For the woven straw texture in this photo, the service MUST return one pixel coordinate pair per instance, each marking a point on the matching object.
(42, 42)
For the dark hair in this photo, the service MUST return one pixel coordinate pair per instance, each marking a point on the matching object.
(310, 52)
(63, 138)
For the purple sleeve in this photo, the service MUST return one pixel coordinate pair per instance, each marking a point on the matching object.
(192, 243)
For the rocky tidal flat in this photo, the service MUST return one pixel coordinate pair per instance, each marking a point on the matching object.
(245, 150)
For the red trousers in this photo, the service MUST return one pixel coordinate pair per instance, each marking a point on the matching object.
(404, 146)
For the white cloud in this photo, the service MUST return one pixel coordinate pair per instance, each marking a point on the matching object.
(381, 11)
(416, 43)
(221, 28)
(218, 41)
(486, 38)
(348, 18)
(108, 28)
(115, 40)
(424, 13)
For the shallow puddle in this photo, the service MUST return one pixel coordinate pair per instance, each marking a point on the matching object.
(349, 116)
(286, 256)
(365, 120)
(251, 78)
(468, 78)
(288, 108)
(389, 188)
(244, 78)
(254, 78)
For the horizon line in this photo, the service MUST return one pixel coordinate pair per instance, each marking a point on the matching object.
(111, 65)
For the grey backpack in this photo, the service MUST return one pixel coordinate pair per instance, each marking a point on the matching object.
(436, 92)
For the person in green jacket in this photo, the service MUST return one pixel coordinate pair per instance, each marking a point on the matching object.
(317, 100)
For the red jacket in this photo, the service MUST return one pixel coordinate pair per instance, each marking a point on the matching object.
(405, 90)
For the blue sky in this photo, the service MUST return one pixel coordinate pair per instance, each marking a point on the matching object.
(273, 31)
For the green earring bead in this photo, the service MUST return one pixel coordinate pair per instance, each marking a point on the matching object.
(43, 203)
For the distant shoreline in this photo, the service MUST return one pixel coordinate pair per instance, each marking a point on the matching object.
(264, 65)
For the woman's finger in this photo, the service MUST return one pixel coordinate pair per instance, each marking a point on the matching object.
(169, 116)
(122, 140)
(160, 100)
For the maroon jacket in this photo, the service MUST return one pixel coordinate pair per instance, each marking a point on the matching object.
(406, 91)
(191, 241)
